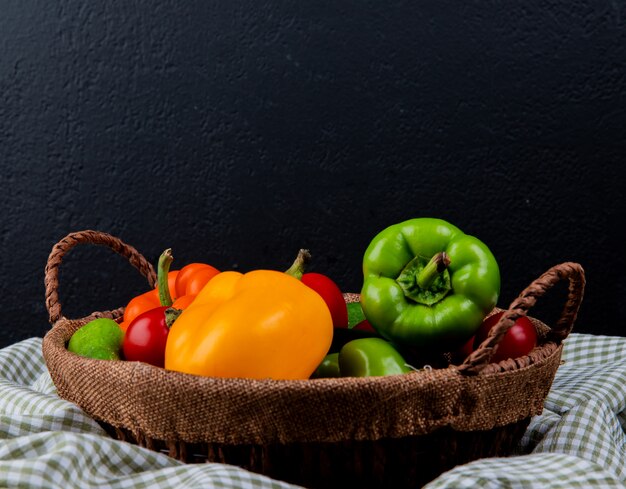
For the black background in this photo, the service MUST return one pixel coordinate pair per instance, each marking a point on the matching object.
(238, 132)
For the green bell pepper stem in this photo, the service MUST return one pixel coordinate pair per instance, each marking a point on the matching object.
(371, 357)
(163, 268)
(298, 266)
(435, 267)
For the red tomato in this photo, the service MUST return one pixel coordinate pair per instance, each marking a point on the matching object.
(146, 336)
(518, 341)
(330, 292)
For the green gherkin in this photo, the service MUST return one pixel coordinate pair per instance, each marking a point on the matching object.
(101, 338)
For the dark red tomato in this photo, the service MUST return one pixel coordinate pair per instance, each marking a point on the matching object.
(145, 337)
(331, 294)
(518, 341)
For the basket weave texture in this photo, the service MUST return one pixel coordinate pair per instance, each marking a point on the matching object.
(373, 432)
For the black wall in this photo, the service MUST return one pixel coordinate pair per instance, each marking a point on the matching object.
(238, 132)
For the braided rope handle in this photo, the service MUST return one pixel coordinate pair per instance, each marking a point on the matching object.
(573, 272)
(60, 249)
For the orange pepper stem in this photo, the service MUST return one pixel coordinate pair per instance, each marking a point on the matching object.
(297, 268)
(163, 268)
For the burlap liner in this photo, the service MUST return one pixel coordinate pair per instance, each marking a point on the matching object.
(152, 402)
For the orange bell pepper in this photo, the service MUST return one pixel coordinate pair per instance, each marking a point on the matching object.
(262, 324)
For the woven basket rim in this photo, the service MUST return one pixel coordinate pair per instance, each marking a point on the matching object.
(543, 362)
(539, 353)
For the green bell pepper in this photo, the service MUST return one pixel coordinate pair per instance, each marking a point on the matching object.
(370, 357)
(427, 284)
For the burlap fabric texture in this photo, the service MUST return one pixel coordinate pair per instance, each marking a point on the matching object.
(398, 431)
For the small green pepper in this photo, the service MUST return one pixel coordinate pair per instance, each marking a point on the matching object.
(427, 284)
(370, 357)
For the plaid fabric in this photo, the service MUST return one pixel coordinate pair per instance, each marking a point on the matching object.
(578, 441)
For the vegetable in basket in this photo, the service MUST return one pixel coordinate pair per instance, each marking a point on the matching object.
(371, 357)
(262, 324)
(183, 286)
(427, 284)
(363, 357)
(324, 286)
(100, 338)
(518, 341)
(146, 335)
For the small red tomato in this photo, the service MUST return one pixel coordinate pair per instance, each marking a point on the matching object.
(330, 292)
(146, 336)
(519, 340)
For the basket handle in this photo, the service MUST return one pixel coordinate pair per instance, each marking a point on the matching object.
(59, 250)
(573, 272)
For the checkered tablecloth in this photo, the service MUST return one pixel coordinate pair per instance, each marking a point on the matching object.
(578, 441)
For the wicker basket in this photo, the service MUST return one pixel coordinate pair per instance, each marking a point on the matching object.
(394, 431)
